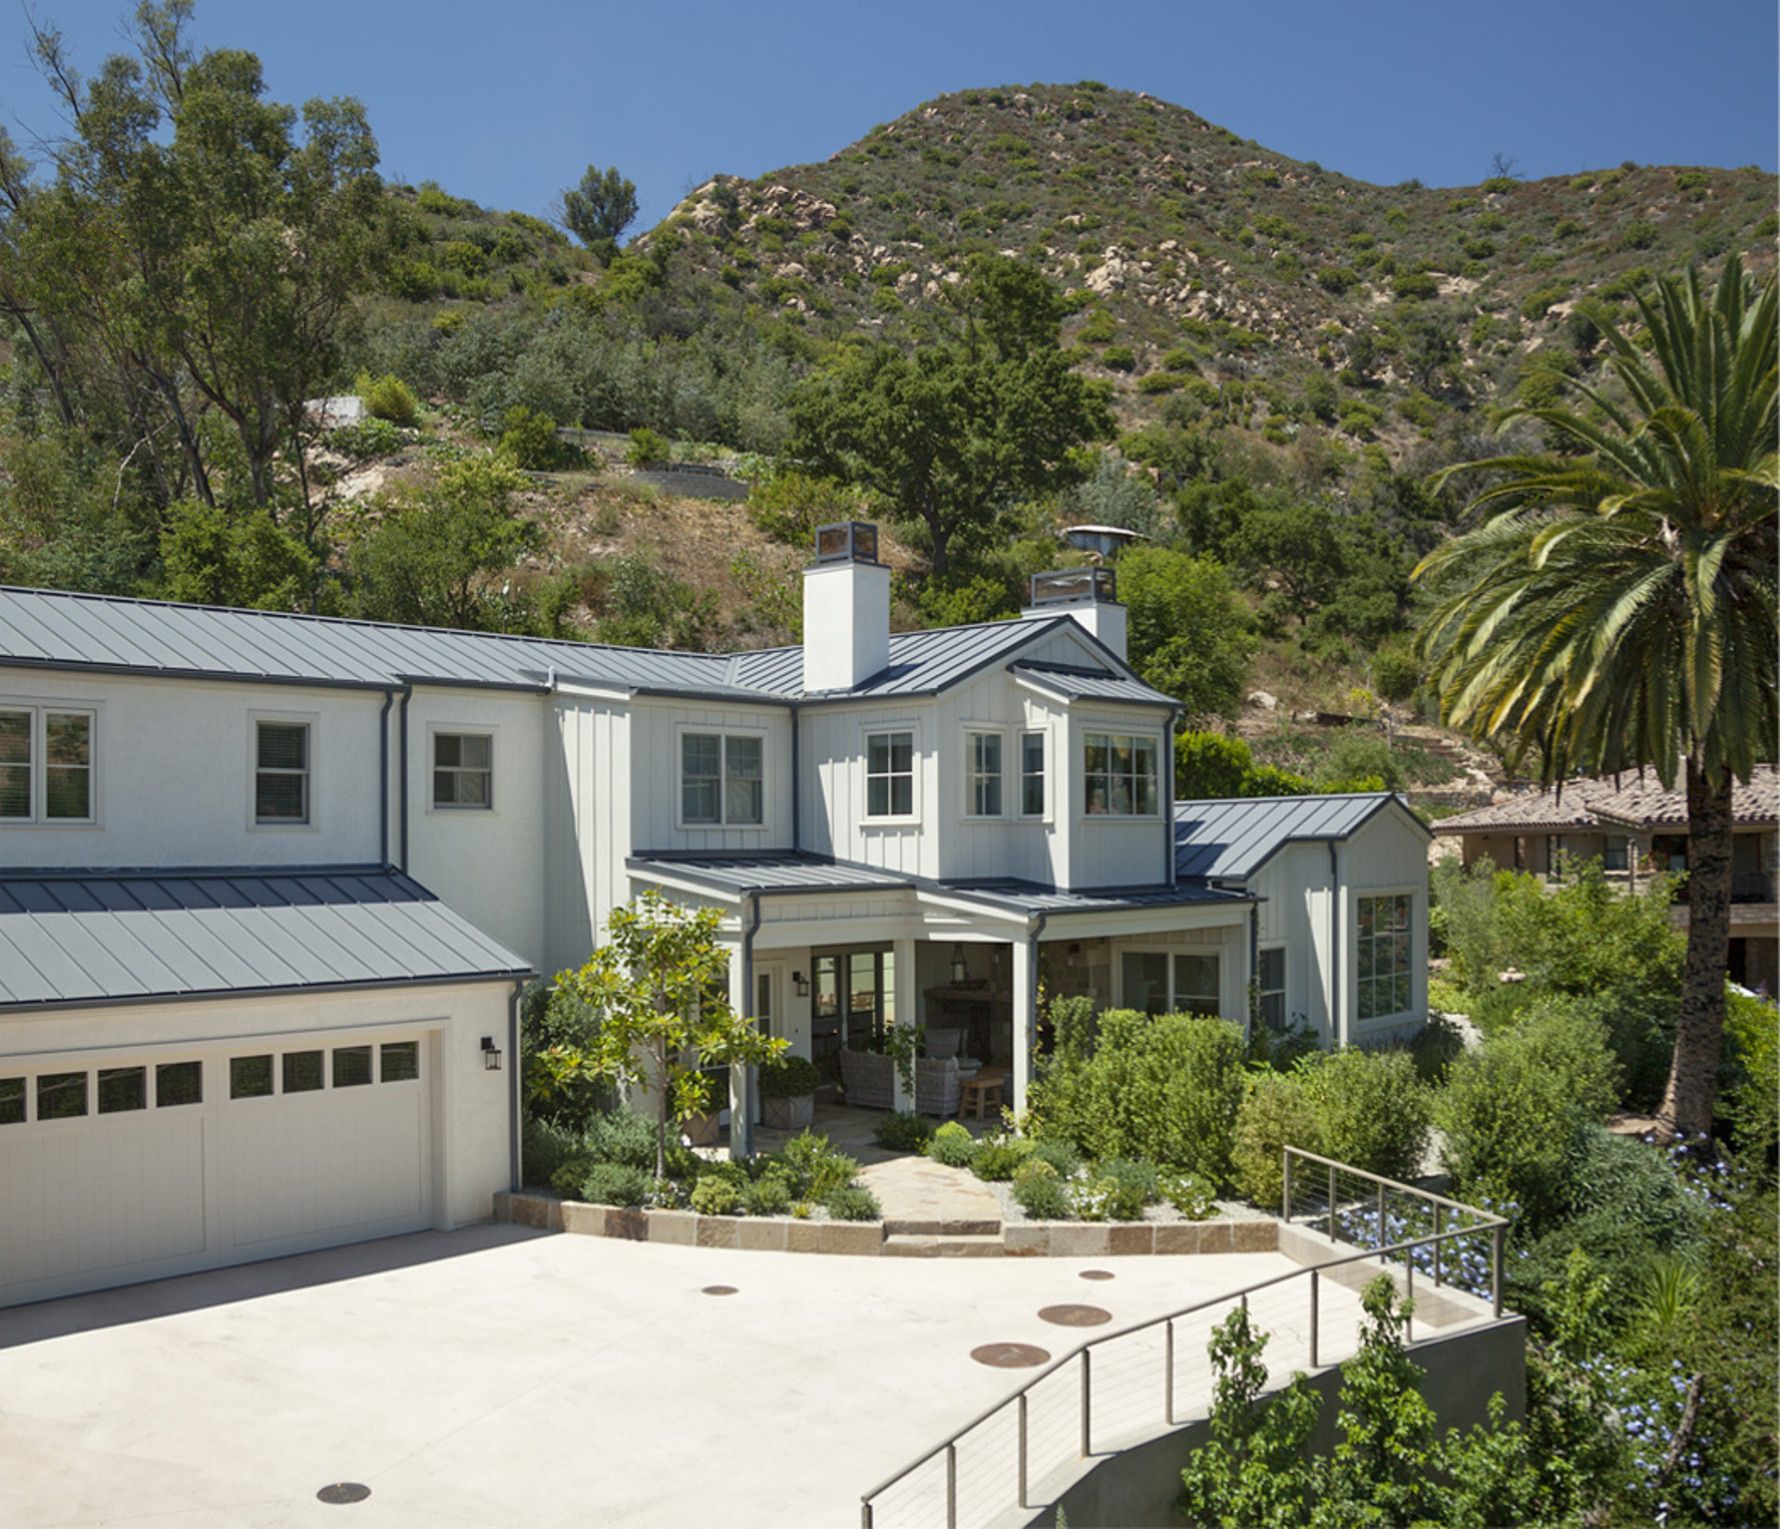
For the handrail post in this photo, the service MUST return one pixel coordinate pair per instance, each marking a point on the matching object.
(1086, 1405)
(865, 1514)
(1331, 1202)
(1439, 1217)
(1286, 1209)
(1496, 1265)
(1313, 1318)
(1022, 1499)
(1168, 1383)
(1409, 1296)
(1383, 1241)
(951, 1486)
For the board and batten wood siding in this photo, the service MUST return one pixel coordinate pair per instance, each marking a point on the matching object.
(655, 729)
(587, 819)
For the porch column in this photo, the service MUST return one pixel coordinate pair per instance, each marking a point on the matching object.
(1025, 964)
(741, 1116)
(903, 1008)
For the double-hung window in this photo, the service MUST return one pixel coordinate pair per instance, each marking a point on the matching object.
(463, 770)
(985, 774)
(890, 775)
(1270, 983)
(1383, 955)
(1032, 775)
(722, 780)
(281, 773)
(46, 765)
(1119, 774)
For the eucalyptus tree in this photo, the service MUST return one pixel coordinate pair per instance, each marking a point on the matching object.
(1619, 611)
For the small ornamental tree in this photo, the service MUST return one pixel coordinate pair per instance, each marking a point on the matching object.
(662, 1015)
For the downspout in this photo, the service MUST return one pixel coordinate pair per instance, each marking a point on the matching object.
(389, 700)
(1251, 994)
(402, 757)
(1337, 1009)
(514, 1166)
(741, 1121)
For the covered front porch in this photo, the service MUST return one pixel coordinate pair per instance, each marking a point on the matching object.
(835, 958)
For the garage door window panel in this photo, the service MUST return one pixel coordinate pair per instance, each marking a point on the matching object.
(250, 1077)
(178, 1083)
(304, 1072)
(352, 1066)
(12, 1101)
(121, 1089)
(61, 1095)
(399, 1061)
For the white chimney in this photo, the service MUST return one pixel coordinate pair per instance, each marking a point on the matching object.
(1087, 595)
(846, 608)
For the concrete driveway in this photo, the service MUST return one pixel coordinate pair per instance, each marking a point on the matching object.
(502, 1377)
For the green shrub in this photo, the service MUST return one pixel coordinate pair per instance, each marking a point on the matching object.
(1276, 1113)
(1415, 284)
(1103, 1199)
(1751, 1093)
(1159, 382)
(544, 1147)
(646, 447)
(851, 1202)
(713, 1196)
(528, 436)
(903, 1131)
(792, 1077)
(1434, 1050)
(388, 397)
(952, 1145)
(1189, 1194)
(370, 438)
(614, 1184)
(768, 1195)
(1371, 1111)
(565, 1178)
(621, 1136)
(1140, 1178)
(1061, 1155)
(997, 1157)
(1034, 1168)
(812, 1168)
(1043, 1198)
(1118, 358)
(1513, 1110)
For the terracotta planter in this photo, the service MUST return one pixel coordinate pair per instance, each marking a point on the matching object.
(789, 1114)
(703, 1130)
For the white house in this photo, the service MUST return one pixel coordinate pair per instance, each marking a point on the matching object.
(270, 885)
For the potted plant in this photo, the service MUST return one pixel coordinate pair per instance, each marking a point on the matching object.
(788, 1093)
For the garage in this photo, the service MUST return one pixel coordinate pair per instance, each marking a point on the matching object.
(346, 1083)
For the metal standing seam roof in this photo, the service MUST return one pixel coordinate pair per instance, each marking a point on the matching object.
(1229, 839)
(61, 630)
(77, 937)
(1070, 682)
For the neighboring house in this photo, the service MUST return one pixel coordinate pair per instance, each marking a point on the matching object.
(270, 885)
(1636, 828)
(1106, 541)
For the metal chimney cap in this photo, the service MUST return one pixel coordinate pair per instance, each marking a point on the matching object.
(847, 541)
(1074, 586)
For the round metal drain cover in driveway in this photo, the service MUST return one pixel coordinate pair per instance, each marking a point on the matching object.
(1075, 1316)
(718, 1290)
(344, 1492)
(1009, 1356)
(1095, 1274)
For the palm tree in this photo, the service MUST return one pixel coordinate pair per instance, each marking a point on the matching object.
(1620, 612)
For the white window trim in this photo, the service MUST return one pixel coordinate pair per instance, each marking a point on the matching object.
(972, 731)
(867, 731)
(1351, 955)
(490, 731)
(311, 719)
(40, 707)
(1117, 730)
(725, 731)
(1049, 776)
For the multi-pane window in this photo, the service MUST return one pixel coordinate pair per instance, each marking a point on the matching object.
(985, 775)
(889, 775)
(1119, 771)
(722, 780)
(1156, 983)
(1383, 955)
(1032, 775)
(1270, 981)
(281, 772)
(463, 770)
(46, 765)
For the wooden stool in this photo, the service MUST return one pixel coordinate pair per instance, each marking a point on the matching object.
(984, 1088)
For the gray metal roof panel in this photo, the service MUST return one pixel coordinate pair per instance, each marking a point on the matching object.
(68, 938)
(1075, 683)
(1035, 898)
(1229, 839)
(784, 871)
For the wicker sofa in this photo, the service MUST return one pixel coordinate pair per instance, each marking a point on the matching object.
(869, 1078)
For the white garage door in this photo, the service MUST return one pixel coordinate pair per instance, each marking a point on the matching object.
(163, 1163)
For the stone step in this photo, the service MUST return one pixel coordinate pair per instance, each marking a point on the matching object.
(930, 1226)
(918, 1245)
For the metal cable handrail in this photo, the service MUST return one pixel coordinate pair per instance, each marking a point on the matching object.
(1485, 1222)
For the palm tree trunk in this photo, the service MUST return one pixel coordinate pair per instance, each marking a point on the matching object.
(1699, 1034)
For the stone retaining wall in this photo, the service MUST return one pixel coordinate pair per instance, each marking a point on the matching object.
(785, 1234)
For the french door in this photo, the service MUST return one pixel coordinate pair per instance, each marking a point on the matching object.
(853, 999)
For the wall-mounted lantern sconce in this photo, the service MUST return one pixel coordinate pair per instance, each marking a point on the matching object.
(491, 1054)
(960, 968)
(801, 983)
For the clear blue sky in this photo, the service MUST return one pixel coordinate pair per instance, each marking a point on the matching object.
(506, 103)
